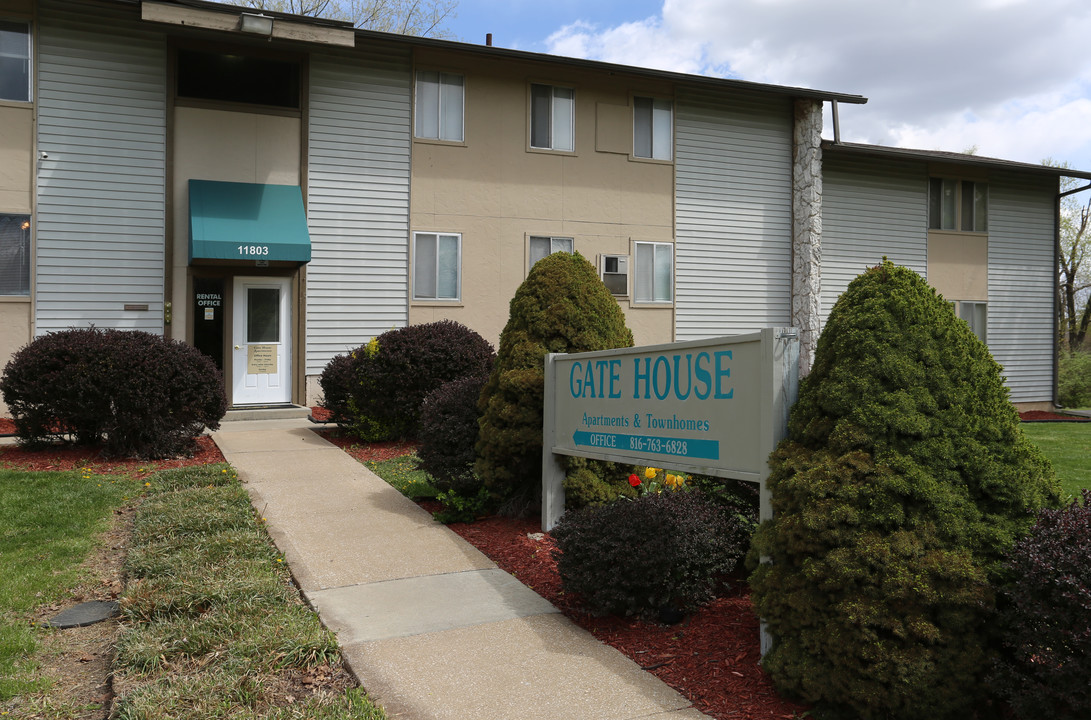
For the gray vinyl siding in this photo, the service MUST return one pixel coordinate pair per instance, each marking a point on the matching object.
(357, 201)
(101, 192)
(733, 167)
(1021, 283)
(871, 209)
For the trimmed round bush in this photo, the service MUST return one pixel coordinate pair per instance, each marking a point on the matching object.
(1045, 618)
(662, 550)
(561, 307)
(448, 432)
(902, 484)
(139, 394)
(411, 362)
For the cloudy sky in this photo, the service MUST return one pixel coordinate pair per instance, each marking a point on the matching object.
(1011, 77)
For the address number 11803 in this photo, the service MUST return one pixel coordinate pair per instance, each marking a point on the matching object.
(253, 249)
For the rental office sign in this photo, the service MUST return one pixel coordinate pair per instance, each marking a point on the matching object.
(716, 407)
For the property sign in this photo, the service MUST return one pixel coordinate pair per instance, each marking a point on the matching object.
(715, 407)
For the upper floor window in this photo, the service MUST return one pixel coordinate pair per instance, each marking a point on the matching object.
(230, 77)
(552, 117)
(440, 104)
(976, 314)
(652, 128)
(653, 280)
(14, 61)
(437, 266)
(542, 246)
(958, 205)
(14, 255)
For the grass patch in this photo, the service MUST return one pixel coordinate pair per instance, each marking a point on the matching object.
(51, 524)
(405, 475)
(216, 628)
(1068, 447)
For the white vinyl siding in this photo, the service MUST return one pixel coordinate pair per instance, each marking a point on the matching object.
(1022, 278)
(870, 209)
(101, 190)
(357, 200)
(733, 252)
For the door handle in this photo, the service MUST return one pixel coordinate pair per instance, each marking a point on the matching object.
(238, 347)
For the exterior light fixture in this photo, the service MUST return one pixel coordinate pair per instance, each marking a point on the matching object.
(256, 24)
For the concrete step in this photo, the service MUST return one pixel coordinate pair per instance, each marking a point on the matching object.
(263, 412)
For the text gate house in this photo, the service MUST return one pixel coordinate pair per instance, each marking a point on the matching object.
(714, 407)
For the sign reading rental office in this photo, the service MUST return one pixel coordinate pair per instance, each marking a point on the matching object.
(716, 407)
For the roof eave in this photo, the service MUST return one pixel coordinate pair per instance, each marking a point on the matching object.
(951, 158)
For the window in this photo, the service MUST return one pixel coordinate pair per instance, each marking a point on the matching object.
(542, 246)
(14, 255)
(437, 261)
(976, 314)
(552, 117)
(439, 111)
(226, 77)
(614, 270)
(14, 61)
(654, 277)
(958, 205)
(652, 134)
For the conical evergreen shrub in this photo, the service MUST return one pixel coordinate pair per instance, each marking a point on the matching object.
(903, 481)
(562, 306)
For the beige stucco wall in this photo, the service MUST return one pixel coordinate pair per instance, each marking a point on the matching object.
(14, 333)
(230, 147)
(16, 157)
(496, 192)
(958, 265)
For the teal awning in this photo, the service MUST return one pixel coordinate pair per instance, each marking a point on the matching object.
(247, 221)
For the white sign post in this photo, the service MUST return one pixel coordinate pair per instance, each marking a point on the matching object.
(715, 407)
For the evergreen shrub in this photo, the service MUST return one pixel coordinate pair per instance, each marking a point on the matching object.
(336, 384)
(562, 306)
(1045, 618)
(139, 394)
(661, 550)
(448, 431)
(903, 481)
(1074, 379)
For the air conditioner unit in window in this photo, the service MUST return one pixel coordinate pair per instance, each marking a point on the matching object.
(614, 270)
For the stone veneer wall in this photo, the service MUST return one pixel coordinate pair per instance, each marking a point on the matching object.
(807, 228)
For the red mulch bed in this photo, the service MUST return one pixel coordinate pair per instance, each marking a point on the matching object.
(71, 457)
(1042, 415)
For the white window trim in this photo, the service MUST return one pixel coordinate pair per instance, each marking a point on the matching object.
(552, 147)
(439, 109)
(634, 290)
(552, 243)
(670, 149)
(458, 272)
(30, 59)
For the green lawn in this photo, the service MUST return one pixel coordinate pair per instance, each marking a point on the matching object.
(51, 522)
(1068, 447)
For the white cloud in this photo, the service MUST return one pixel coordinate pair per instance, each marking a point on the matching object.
(1010, 76)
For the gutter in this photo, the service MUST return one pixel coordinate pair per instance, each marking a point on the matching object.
(1057, 285)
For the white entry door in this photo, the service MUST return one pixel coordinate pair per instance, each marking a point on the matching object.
(262, 341)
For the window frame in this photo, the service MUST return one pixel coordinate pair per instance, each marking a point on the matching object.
(552, 240)
(958, 208)
(551, 129)
(635, 290)
(669, 157)
(438, 138)
(28, 59)
(970, 307)
(25, 251)
(435, 298)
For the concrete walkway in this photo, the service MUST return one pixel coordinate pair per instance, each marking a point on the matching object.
(430, 626)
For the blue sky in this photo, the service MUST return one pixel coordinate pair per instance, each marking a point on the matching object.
(1011, 77)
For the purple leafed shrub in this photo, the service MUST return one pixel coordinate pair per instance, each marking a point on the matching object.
(448, 432)
(1045, 618)
(139, 394)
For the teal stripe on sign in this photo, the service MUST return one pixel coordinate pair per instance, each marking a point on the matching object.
(654, 444)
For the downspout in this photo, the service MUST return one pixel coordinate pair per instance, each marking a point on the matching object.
(1057, 284)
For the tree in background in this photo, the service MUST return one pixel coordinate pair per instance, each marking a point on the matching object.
(1074, 283)
(424, 18)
